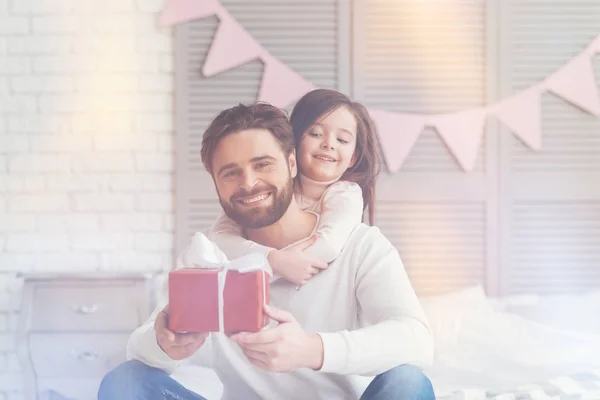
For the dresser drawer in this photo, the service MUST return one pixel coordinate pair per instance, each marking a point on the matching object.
(76, 355)
(87, 307)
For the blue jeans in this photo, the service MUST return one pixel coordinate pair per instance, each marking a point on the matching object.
(134, 380)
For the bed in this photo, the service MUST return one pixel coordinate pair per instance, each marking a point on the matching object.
(518, 347)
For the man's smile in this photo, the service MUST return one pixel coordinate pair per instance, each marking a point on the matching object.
(253, 201)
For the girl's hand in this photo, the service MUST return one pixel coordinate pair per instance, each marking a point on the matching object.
(295, 266)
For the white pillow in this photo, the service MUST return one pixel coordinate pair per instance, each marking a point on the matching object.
(447, 312)
(578, 312)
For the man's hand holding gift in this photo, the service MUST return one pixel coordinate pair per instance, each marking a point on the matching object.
(177, 346)
(285, 347)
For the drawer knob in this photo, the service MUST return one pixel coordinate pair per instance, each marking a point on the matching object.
(86, 355)
(83, 309)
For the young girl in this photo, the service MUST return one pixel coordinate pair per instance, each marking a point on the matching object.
(336, 152)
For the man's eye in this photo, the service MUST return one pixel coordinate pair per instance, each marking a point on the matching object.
(229, 174)
(262, 165)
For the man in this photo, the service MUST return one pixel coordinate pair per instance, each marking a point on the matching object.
(356, 320)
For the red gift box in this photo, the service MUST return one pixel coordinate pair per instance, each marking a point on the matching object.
(194, 300)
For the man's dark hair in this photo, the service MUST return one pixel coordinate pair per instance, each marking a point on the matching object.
(244, 117)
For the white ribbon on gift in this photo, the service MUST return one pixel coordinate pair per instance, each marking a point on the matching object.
(205, 254)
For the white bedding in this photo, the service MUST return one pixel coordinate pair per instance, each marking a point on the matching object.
(485, 346)
(583, 386)
(504, 349)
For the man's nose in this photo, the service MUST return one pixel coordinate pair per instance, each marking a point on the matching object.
(249, 180)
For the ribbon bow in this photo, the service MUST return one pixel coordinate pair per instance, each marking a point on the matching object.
(205, 254)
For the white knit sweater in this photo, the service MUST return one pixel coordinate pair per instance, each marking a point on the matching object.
(365, 310)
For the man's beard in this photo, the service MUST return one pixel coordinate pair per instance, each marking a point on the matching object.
(261, 216)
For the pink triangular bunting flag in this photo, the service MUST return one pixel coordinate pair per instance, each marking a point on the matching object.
(280, 84)
(177, 11)
(521, 114)
(462, 133)
(576, 83)
(397, 134)
(232, 46)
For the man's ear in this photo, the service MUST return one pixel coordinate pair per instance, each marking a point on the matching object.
(216, 186)
(292, 163)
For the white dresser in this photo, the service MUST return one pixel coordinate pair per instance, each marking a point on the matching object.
(73, 329)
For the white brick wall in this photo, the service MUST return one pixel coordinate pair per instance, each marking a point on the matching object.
(86, 146)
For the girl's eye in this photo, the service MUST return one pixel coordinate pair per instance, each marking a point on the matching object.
(314, 134)
(343, 141)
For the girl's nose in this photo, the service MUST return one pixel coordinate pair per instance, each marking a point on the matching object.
(328, 142)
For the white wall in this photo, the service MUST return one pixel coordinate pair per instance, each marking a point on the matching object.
(86, 153)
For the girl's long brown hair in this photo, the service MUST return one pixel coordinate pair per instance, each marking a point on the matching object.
(319, 103)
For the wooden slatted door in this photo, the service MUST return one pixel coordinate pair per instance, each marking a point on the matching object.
(550, 198)
(428, 57)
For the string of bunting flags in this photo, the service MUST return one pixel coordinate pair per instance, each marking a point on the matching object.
(461, 131)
